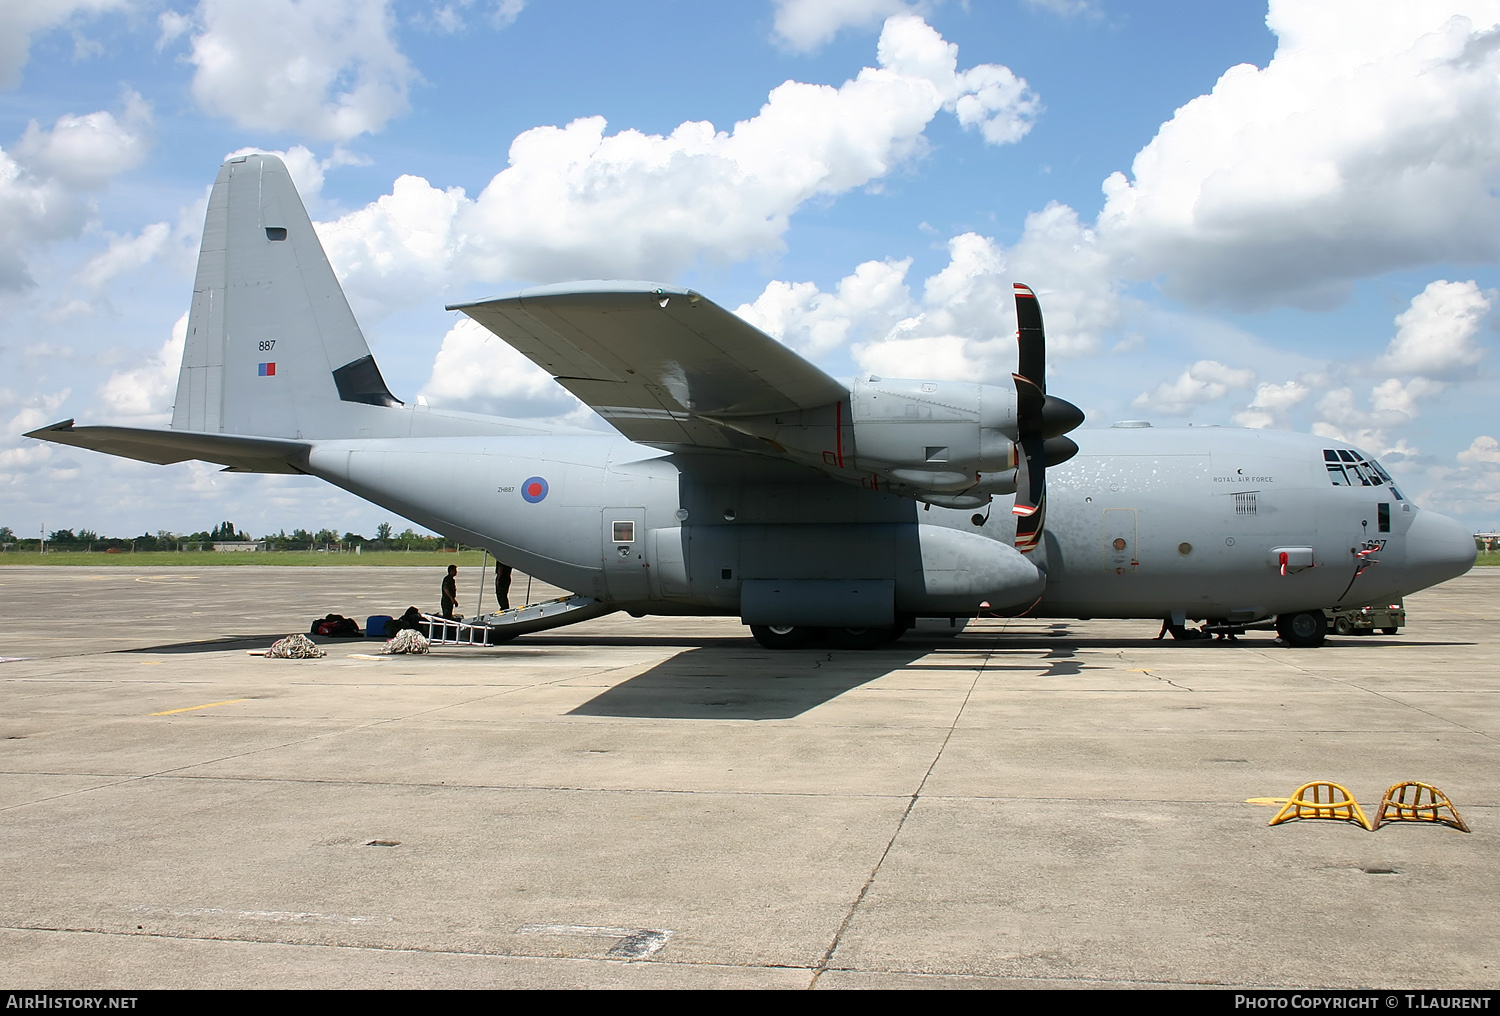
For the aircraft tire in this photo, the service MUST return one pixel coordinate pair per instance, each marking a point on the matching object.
(1304, 630)
(892, 634)
(778, 637)
(859, 638)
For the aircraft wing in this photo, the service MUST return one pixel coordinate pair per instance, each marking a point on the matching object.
(658, 362)
(238, 454)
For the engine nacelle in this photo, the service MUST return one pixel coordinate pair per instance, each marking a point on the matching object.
(932, 435)
(907, 436)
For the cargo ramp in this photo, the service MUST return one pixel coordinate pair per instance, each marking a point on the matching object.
(504, 625)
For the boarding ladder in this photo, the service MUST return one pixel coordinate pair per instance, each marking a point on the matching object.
(504, 625)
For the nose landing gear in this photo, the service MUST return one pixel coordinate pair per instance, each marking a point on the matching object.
(1304, 630)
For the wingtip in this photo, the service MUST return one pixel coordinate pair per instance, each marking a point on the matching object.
(1023, 290)
(42, 432)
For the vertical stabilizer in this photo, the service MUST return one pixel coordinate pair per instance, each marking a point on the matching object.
(272, 347)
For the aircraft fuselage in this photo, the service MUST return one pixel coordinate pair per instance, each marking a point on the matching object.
(1143, 522)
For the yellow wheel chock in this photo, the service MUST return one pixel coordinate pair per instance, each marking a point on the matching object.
(1394, 807)
(1322, 799)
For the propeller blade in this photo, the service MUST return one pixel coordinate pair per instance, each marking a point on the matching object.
(1036, 415)
(1031, 337)
(1031, 457)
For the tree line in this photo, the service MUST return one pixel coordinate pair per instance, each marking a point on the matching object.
(225, 532)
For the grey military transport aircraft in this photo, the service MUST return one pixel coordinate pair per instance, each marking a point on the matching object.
(747, 482)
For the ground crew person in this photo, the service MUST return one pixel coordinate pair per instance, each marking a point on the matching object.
(450, 592)
(502, 585)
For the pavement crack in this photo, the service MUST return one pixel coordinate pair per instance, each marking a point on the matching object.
(911, 803)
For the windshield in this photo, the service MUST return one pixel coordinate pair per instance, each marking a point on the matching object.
(1348, 468)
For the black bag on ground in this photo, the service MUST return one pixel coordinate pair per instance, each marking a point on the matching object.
(335, 626)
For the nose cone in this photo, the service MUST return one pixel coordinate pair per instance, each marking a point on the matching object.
(1437, 549)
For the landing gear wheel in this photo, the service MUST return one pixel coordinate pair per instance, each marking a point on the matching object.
(775, 636)
(859, 638)
(1304, 630)
(892, 634)
(1342, 626)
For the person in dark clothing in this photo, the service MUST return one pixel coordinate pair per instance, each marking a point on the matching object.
(411, 619)
(450, 591)
(502, 585)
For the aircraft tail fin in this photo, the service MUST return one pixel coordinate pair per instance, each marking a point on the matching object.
(272, 346)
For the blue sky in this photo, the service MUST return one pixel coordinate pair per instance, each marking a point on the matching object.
(1302, 233)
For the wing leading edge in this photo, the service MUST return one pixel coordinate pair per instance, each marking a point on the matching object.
(660, 363)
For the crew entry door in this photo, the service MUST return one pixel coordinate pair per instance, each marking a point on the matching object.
(626, 568)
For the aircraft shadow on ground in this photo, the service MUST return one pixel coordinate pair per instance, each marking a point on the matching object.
(734, 679)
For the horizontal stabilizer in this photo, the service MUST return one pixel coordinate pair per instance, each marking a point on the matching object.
(241, 454)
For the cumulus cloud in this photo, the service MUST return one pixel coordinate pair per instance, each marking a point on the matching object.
(577, 202)
(84, 152)
(401, 247)
(806, 25)
(477, 372)
(1437, 336)
(124, 254)
(1484, 450)
(1435, 345)
(22, 456)
(141, 396)
(1392, 405)
(323, 68)
(1369, 143)
(814, 323)
(1271, 404)
(1473, 486)
(22, 19)
(1203, 382)
(45, 178)
(962, 326)
(306, 169)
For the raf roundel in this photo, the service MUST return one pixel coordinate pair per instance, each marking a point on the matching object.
(534, 489)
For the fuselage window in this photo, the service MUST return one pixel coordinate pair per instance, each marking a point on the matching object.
(624, 532)
(1383, 516)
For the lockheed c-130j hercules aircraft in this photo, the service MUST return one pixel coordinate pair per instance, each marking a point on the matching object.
(747, 482)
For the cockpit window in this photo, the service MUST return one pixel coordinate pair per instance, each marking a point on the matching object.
(1351, 469)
